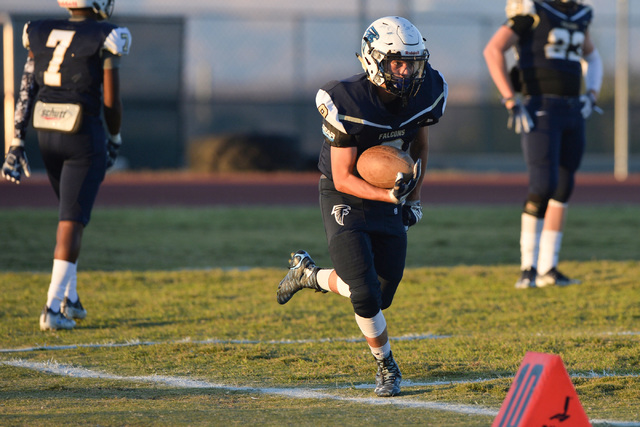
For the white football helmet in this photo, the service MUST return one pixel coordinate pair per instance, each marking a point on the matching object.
(389, 39)
(103, 8)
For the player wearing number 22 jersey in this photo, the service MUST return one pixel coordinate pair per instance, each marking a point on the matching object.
(551, 39)
(70, 84)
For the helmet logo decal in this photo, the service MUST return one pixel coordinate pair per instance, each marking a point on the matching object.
(340, 211)
(371, 34)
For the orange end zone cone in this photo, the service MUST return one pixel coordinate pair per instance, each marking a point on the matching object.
(541, 395)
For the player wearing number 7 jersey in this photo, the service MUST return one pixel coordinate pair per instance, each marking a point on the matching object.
(551, 38)
(70, 82)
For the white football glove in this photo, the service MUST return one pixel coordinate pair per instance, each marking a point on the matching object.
(411, 213)
(589, 105)
(405, 185)
(519, 118)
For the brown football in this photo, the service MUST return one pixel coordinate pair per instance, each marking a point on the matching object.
(380, 164)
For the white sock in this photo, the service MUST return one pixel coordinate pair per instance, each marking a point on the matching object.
(550, 243)
(530, 230)
(551, 239)
(381, 352)
(373, 328)
(61, 274)
(322, 276)
(71, 292)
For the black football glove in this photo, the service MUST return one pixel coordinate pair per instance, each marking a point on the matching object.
(114, 142)
(15, 164)
(519, 118)
(411, 213)
(405, 184)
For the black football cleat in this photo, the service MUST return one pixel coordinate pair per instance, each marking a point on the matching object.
(302, 274)
(388, 377)
(73, 310)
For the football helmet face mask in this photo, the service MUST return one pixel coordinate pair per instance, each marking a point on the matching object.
(394, 56)
(102, 8)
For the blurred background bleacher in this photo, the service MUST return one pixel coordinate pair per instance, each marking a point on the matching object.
(207, 76)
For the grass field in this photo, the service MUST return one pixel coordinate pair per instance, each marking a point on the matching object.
(184, 329)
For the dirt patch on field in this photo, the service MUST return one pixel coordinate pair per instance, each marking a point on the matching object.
(188, 189)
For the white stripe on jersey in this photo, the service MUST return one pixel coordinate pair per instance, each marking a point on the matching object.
(559, 14)
(431, 107)
(335, 119)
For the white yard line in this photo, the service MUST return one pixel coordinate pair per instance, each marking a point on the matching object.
(135, 342)
(211, 341)
(294, 393)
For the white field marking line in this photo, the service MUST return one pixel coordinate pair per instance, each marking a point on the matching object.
(52, 367)
(213, 341)
(294, 393)
(130, 343)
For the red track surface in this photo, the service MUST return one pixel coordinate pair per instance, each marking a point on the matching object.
(186, 189)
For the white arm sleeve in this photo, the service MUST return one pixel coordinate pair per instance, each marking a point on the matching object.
(593, 75)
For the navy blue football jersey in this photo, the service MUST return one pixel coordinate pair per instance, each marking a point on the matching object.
(551, 36)
(69, 57)
(354, 115)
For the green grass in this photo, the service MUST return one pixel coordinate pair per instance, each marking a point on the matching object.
(172, 238)
(159, 280)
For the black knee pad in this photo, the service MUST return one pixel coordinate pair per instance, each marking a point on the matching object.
(366, 299)
(388, 290)
(566, 183)
(535, 205)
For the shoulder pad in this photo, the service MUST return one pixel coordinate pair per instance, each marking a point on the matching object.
(118, 41)
(25, 35)
(328, 110)
(519, 7)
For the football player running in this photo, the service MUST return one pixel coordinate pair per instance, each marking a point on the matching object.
(70, 80)
(551, 38)
(392, 102)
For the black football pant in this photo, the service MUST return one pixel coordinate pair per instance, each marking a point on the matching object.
(367, 244)
(554, 148)
(76, 166)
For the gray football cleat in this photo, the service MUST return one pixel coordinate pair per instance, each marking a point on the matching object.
(527, 279)
(388, 377)
(302, 274)
(554, 278)
(73, 310)
(52, 320)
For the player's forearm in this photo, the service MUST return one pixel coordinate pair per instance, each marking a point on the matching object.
(494, 55)
(420, 150)
(26, 96)
(112, 101)
(351, 184)
(113, 118)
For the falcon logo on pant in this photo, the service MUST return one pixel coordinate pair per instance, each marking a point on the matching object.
(340, 211)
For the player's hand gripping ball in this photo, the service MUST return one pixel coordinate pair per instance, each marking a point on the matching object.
(380, 164)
